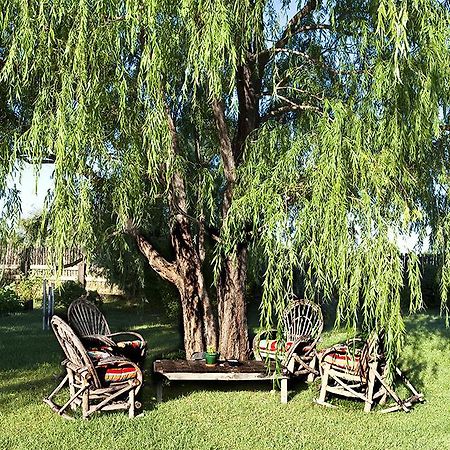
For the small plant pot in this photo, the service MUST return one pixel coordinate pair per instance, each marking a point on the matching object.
(211, 358)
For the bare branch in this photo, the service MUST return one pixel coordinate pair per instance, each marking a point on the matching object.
(292, 107)
(294, 27)
(293, 24)
(72, 263)
(226, 150)
(300, 91)
(158, 263)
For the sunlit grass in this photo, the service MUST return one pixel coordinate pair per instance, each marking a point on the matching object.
(211, 415)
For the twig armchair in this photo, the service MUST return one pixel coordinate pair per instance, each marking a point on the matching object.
(357, 369)
(92, 327)
(302, 327)
(97, 382)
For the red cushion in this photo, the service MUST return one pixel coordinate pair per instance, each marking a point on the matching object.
(271, 345)
(115, 374)
(339, 356)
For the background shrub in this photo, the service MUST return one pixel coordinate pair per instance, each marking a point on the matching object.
(9, 301)
(70, 291)
(29, 288)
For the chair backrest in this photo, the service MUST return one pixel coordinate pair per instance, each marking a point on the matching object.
(86, 318)
(73, 348)
(373, 350)
(302, 319)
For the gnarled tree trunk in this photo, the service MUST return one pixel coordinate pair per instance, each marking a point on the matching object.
(233, 338)
(198, 318)
(185, 272)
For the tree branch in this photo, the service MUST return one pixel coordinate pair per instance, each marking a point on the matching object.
(159, 264)
(72, 263)
(292, 28)
(226, 149)
(291, 107)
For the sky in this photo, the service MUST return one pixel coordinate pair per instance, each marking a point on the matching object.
(33, 194)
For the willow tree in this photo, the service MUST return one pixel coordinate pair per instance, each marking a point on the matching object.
(310, 141)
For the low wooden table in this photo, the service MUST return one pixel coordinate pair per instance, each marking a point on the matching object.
(182, 370)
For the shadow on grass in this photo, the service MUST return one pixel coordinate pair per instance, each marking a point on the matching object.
(19, 392)
(174, 390)
(426, 333)
(180, 389)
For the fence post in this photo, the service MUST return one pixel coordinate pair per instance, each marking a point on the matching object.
(51, 303)
(82, 273)
(44, 305)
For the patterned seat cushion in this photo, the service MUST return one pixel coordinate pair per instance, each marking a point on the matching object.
(134, 350)
(341, 357)
(271, 345)
(98, 354)
(117, 374)
(132, 344)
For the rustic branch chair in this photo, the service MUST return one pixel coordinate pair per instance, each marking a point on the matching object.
(357, 369)
(91, 326)
(302, 326)
(97, 381)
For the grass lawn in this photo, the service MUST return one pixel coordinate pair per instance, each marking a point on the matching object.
(213, 416)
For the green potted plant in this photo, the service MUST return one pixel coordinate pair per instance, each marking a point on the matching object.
(211, 356)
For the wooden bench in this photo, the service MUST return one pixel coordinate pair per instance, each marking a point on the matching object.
(182, 370)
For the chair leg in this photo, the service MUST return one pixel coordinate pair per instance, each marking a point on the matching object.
(290, 364)
(131, 398)
(312, 366)
(370, 387)
(324, 385)
(284, 390)
(85, 401)
(159, 391)
(73, 406)
(58, 388)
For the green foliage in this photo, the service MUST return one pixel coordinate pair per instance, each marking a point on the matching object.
(10, 302)
(28, 288)
(351, 149)
(69, 291)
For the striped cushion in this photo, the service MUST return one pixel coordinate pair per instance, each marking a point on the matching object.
(340, 357)
(271, 345)
(115, 374)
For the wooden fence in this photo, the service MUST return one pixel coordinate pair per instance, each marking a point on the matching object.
(35, 262)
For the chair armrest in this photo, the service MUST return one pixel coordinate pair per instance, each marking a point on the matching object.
(81, 370)
(106, 340)
(118, 360)
(128, 333)
(309, 347)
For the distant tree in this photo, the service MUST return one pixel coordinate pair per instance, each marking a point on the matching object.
(312, 141)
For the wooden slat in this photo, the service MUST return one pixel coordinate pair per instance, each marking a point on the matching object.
(199, 367)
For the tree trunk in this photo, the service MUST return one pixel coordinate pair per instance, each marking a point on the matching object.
(233, 340)
(198, 320)
(185, 273)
